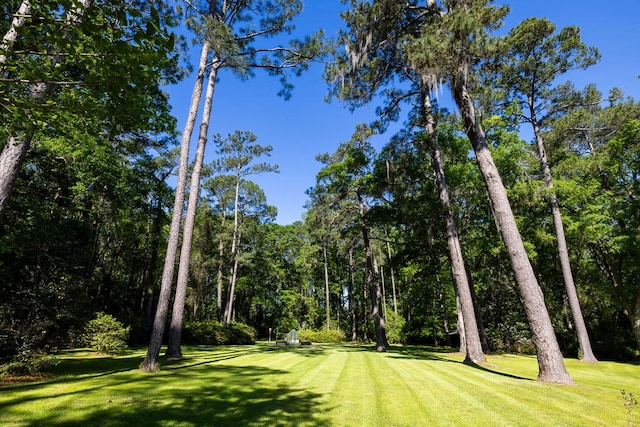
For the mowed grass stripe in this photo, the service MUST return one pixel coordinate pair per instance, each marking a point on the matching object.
(320, 385)
(458, 399)
(436, 390)
(490, 398)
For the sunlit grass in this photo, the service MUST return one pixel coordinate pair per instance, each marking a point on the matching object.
(320, 385)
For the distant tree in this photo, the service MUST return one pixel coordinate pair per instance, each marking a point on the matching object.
(238, 152)
(347, 175)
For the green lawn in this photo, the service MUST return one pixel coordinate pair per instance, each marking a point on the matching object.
(321, 385)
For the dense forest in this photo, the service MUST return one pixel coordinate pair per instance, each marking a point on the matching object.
(458, 232)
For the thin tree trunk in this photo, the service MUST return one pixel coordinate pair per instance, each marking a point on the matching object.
(326, 286)
(228, 310)
(352, 308)
(175, 330)
(550, 363)
(232, 290)
(384, 292)
(150, 362)
(393, 279)
(443, 313)
(484, 340)
(586, 353)
(219, 274)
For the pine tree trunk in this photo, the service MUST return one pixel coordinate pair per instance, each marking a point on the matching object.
(586, 353)
(150, 362)
(11, 35)
(175, 330)
(550, 363)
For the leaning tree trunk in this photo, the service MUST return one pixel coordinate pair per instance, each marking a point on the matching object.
(586, 353)
(150, 362)
(473, 345)
(175, 330)
(550, 363)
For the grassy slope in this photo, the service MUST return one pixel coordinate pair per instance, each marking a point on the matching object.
(316, 386)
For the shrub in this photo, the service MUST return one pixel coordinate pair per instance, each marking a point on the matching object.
(394, 327)
(322, 336)
(211, 332)
(28, 362)
(106, 334)
(239, 333)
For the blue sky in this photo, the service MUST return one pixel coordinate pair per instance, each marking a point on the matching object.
(306, 125)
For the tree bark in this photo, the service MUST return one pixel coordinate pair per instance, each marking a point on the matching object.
(461, 333)
(11, 160)
(175, 330)
(550, 363)
(150, 362)
(12, 34)
(586, 353)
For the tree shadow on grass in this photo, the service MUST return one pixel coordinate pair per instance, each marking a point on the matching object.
(438, 354)
(216, 395)
(302, 350)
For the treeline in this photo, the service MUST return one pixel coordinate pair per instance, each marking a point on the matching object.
(87, 217)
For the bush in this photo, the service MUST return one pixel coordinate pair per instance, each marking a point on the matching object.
(106, 334)
(394, 327)
(322, 336)
(28, 362)
(211, 332)
(239, 333)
